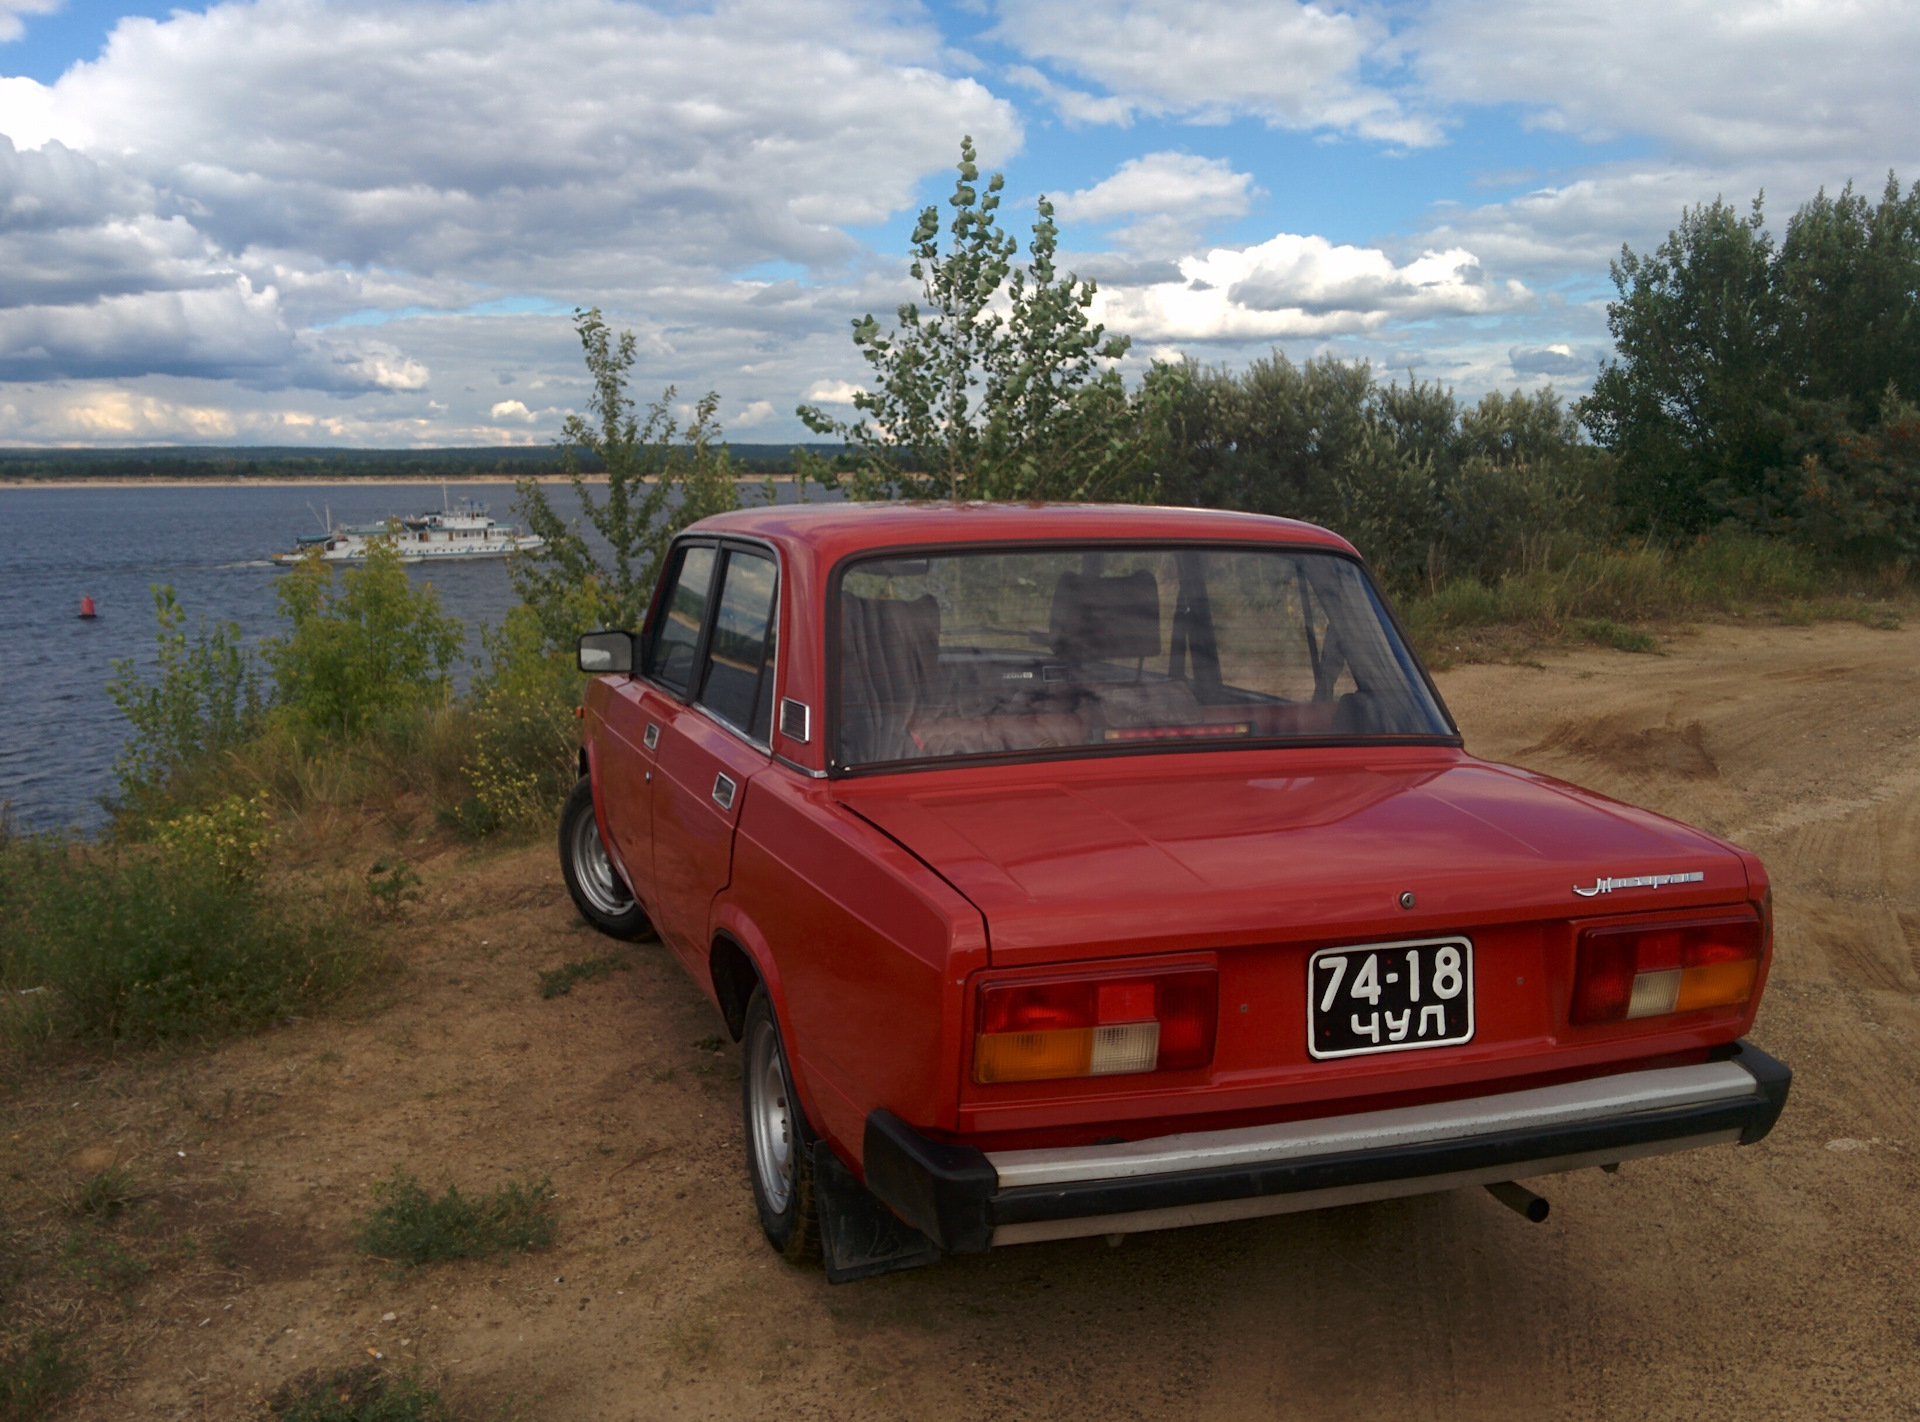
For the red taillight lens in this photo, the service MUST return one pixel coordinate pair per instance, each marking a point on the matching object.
(1645, 970)
(1037, 1029)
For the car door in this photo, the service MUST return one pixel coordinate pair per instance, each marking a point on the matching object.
(711, 745)
(639, 707)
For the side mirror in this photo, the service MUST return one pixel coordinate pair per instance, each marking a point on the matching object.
(605, 652)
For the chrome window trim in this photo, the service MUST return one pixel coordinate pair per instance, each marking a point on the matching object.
(795, 765)
(721, 541)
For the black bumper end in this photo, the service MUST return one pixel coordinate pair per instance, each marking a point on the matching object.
(952, 1193)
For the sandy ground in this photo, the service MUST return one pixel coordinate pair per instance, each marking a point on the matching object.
(1781, 1280)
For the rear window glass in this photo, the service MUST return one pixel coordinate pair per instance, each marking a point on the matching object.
(1035, 651)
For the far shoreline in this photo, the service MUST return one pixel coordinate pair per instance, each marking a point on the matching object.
(371, 482)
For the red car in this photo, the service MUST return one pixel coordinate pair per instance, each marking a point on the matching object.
(1076, 870)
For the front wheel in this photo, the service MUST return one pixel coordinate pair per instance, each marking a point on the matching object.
(778, 1162)
(601, 895)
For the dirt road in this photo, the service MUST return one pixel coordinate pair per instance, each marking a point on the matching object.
(1781, 1280)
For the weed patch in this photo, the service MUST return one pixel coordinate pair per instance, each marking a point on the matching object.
(101, 1196)
(362, 1394)
(1605, 632)
(177, 939)
(558, 982)
(409, 1227)
(35, 1372)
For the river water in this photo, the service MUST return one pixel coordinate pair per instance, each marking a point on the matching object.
(59, 730)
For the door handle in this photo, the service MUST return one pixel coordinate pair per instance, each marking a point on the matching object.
(653, 736)
(723, 788)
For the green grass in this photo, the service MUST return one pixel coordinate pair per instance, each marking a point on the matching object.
(1605, 632)
(407, 1226)
(1599, 594)
(558, 982)
(153, 943)
(36, 1371)
(362, 1394)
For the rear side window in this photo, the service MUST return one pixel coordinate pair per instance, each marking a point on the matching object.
(676, 637)
(738, 682)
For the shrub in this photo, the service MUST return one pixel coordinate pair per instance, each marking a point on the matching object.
(520, 763)
(205, 698)
(408, 1226)
(366, 644)
(178, 939)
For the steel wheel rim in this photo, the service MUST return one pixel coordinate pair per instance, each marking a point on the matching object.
(591, 866)
(772, 1118)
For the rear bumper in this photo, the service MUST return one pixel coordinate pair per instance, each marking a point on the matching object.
(966, 1200)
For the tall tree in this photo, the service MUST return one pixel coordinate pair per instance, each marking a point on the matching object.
(997, 383)
(1692, 404)
(659, 479)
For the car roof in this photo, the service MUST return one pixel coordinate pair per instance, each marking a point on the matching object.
(831, 531)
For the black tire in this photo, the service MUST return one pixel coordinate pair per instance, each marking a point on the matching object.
(779, 1145)
(601, 895)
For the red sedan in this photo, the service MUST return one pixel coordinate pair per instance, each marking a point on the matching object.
(1076, 870)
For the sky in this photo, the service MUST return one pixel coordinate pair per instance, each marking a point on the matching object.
(299, 222)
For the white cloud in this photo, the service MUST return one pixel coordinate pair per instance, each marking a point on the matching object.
(510, 410)
(12, 10)
(1783, 79)
(1162, 183)
(832, 392)
(756, 412)
(1171, 196)
(1292, 65)
(216, 190)
(1292, 286)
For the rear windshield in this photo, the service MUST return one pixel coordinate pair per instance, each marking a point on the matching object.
(994, 652)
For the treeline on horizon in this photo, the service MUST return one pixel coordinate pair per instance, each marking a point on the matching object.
(303, 462)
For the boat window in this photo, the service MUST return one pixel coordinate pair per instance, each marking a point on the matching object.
(677, 634)
(738, 682)
(1053, 651)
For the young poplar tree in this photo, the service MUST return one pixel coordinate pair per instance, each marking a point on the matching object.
(660, 478)
(997, 384)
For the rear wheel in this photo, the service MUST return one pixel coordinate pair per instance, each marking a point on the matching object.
(778, 1160)
(601, 895)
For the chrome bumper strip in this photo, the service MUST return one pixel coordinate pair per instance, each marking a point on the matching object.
(1546, 1106)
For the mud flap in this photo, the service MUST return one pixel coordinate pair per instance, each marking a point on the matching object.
(859, 1236)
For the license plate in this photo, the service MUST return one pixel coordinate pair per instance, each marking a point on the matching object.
(1389, 997)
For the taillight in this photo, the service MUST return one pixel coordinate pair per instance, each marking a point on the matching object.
(1648, 969)
(1030, 1030)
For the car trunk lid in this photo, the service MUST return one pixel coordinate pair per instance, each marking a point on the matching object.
(1173, 853)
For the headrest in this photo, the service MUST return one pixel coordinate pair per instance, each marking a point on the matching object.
(1106, 619)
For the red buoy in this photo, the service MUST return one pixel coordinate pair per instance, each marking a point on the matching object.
(86, 608)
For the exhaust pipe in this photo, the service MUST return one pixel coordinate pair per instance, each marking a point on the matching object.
(1519, 1199)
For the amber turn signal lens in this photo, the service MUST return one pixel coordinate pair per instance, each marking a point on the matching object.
(1716, 985)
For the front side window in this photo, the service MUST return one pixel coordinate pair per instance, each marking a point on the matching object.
(738, 682)
(676, 636)
(1041, 651)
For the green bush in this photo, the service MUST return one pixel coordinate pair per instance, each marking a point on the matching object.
(205, 698)
(181, 938)
(362, 1394)
(521, 760)
(408, 1226)
(366, 644)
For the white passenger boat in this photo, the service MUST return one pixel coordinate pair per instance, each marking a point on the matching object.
(464, 530)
